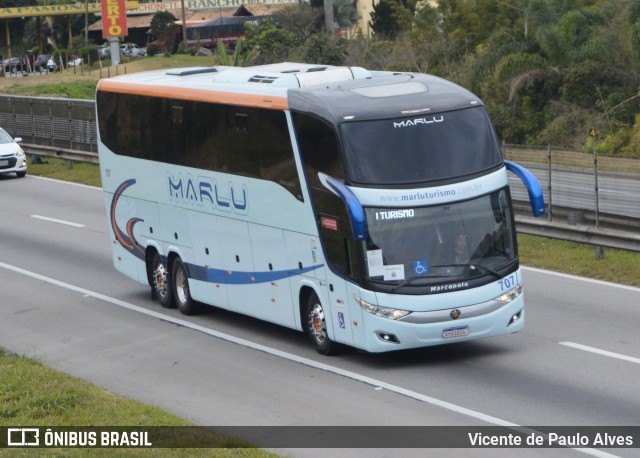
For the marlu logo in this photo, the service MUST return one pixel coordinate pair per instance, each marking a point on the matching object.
(205, 190)
(417, 121)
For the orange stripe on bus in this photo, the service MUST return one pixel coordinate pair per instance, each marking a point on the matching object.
(203, 95)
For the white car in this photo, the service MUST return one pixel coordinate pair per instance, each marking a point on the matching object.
(132, 50)
(51, 65)
(104, 51)
(12, 157)
(76, 62)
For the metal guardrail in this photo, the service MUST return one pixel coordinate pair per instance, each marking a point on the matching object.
(62, 153)
(580, 233)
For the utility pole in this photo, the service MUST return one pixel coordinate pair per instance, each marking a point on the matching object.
(184, 24)
(328, 16)
(86, 23)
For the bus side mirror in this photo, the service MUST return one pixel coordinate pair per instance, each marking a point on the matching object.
(354, 207)
(533, 187)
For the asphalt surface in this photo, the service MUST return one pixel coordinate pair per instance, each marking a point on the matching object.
(577, 363)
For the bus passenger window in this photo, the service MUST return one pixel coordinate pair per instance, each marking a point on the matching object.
(177, 115)
(241, 122)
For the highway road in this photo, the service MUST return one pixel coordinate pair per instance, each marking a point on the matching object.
(576, 363)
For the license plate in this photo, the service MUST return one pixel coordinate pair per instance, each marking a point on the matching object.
(460, 331)
(4, 163)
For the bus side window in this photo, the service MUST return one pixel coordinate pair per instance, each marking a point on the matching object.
(320, 153)
(247, 141)
(177, 134)
(108, 119)
(242, 121)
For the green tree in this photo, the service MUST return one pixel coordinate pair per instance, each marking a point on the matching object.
(390, 17)
(324, 49)
(269, 42)
(298, 37)
(163, 27)
(572, 61)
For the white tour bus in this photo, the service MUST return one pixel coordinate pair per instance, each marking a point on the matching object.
(365, 208)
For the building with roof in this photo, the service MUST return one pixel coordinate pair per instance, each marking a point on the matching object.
(203, 20)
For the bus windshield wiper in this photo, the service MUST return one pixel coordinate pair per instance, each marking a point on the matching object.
(405, 282)
(480, 268)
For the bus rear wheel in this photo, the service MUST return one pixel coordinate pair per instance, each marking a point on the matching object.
(161, 282)
(317, 327)
(181, 293)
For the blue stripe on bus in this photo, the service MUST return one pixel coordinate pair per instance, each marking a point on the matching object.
(231, 277)
(196, 272)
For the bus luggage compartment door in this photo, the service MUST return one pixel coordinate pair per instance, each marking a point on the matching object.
(273, 301)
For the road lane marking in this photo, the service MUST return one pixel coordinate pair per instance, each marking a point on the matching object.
(59, 221)
(633, 289)
(70, 183)
(598, 351)
(293, 358)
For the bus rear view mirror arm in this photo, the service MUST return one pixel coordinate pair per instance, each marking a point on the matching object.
(354, 207)
(533, 187)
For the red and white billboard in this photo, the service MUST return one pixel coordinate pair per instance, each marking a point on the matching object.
(114, 18)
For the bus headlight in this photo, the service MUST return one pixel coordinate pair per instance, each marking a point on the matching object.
(510, 295)
(384, 312)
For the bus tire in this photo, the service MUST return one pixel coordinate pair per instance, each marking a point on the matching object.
(161, 282)
(317, 327)
(180, 287)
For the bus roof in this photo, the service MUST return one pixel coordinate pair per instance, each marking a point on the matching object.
(335, 93)
(384, 97)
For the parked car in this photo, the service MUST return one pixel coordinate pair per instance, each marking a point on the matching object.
(75, 62)
(12, 157)
(51, 65)
(104, 51)
(132, 50)
(14, 65)
(40, 62)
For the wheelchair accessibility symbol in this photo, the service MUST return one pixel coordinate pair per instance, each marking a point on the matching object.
(421, 267)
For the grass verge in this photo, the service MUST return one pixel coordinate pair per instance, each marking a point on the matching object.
(32, 394)
(60, 169)
(617, 266)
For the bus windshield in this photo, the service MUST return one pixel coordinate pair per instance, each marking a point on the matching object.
(426, 246)
(420, 148)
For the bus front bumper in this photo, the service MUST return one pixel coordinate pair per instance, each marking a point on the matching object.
(423, 329)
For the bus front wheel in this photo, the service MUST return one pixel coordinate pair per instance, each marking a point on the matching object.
(182, 295)
(317, 326)
(161, 282)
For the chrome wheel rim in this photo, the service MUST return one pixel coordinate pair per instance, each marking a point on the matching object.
(317, 324)
(160, 281)
(182, 286)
